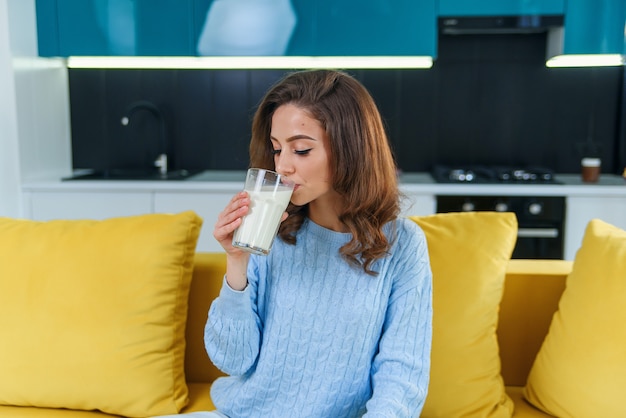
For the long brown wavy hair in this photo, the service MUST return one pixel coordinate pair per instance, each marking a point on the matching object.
(362, 166)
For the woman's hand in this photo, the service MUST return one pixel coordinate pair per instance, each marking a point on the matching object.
(227, 221)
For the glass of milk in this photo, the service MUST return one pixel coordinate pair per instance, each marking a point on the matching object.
(269, 196)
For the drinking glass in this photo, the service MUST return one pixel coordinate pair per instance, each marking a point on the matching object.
(269, 194)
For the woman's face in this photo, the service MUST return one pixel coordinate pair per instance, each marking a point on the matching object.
(302, 152)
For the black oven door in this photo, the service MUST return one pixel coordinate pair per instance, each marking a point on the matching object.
(540, 242)
(540, 220)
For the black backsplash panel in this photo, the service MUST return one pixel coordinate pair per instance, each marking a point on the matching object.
(487, 100)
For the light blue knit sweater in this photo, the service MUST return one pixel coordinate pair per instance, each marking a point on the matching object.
(312, 336)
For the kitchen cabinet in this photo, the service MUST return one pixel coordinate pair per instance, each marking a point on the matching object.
(355, 27)
(116, 27)
(93, 204)
(581, 209)
(594, 27)
(207, 205)
(175, 27)
(81, 204)
(99, 200)
(418, 204)
(500, 7)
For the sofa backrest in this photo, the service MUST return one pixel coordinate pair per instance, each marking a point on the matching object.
(208, 275)
(532, 290)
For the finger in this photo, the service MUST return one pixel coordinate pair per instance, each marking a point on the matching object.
(233, 208)
(225, 232)
(230, 218)
(226, 218)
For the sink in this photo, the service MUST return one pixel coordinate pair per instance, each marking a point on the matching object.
(132, 174)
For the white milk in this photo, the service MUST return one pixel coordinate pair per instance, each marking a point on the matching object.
(259, 227)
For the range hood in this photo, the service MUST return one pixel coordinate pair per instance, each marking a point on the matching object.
(477, 25)
(553, 25)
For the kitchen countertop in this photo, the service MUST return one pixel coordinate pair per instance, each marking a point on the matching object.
(413, 183)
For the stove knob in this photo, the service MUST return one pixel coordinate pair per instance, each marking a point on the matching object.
(501, 207)
(468, 207)
(535, 208)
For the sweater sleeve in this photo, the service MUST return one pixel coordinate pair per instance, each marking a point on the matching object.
(233, 330)
(401, 367)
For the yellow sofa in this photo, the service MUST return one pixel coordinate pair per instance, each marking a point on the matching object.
(109, 316)
(531, 294)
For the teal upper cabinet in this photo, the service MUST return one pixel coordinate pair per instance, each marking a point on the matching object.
(115, 27)
(164, 27)
(236, 27)
(245, 27)
(500, 7)
(594, 27)
(47, 28)
(357, 27)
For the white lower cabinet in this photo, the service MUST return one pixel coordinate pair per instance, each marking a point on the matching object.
(81, 204)
(44, 206)
(581, 209)
(95, 204)
(207, 205)
(416, 204)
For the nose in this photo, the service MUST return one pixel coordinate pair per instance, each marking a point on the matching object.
(284, 164)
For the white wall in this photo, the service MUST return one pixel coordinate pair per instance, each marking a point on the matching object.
(34, 108)
(9, 162)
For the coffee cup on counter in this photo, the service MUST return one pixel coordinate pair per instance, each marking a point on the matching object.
(590, 169)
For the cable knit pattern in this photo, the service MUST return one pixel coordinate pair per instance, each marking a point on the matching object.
(312, 336)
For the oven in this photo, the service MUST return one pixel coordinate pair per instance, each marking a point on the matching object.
(540, 218)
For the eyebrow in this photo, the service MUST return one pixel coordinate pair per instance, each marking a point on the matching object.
(294, 138)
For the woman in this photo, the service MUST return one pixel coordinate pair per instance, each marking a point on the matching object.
(336, 320)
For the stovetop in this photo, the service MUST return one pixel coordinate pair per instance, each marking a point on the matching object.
(473, 174)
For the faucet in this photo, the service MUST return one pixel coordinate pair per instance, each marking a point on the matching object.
(161, 161)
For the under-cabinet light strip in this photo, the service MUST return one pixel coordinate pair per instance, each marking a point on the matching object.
(256, 62)
(586, 60)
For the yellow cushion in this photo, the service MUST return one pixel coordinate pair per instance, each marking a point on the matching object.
(93, 313)
(580, 369)
(469, 253)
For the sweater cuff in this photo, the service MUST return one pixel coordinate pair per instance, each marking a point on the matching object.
(236, 303)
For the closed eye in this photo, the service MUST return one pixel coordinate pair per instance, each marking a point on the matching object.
(297, 152)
